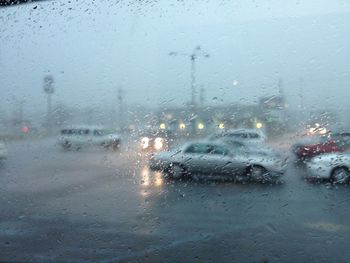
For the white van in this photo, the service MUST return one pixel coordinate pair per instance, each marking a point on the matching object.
(80, 136)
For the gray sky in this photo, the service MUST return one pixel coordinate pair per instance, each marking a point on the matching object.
(93, 47)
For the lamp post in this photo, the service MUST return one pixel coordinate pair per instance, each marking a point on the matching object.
(194, 55)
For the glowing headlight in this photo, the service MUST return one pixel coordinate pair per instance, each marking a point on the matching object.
(158, 143)
(144, 142)
(258, 125)
(200, 126)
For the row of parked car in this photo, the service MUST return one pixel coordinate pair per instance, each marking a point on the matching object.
(239, 154)
(244, 155)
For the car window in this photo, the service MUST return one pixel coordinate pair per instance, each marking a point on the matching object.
(254, 136)
(218, 150)
(199, 148)
(99, 132)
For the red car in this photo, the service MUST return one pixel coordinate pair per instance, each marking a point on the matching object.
(310, 147)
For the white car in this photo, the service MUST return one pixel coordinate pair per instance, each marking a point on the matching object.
(215, 159)
(246, 135)
(331, 166)
(3, 151)
(81, 136)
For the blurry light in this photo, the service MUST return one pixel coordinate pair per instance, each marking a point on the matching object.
(222, 125)
(162, 126)
(25, 129)
(145, 174)
(235, 82)
(158, 143)
(317, 130)
(144, 142)
(158, 181)
(200, 126)
(182, 126)
(258, 125)
(323, 131)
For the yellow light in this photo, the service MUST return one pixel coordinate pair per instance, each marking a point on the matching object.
(144, 142)
(158, 180)
(200, 126)
(145, 176)
(258, 125)
(323, 131)
(158, 143)
(162, 126)
(221, 125)
(182, 126)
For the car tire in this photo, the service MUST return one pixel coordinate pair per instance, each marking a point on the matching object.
(176, 172)
(115, 146)
(257, 173)
(66, 145)
(340, 175)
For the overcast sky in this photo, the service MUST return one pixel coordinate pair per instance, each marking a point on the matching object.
(93, 47)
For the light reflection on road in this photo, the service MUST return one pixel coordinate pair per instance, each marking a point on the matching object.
(150, 181)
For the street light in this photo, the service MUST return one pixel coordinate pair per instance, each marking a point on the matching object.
(197, 52)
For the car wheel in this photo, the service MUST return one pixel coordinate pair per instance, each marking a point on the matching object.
(115, 146)
(66, 145)
(176, 171)
(257, 173)
(340, 175)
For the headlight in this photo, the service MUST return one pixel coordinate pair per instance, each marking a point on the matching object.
(158, 143)
(144, 142)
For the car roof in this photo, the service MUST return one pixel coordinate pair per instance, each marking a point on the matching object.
(84, 127)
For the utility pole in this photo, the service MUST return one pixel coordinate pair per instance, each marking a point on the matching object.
(49, 90)
(121, 108)
(201, 96)
(194, 55)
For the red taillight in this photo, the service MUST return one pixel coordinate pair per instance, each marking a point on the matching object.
(25, 129)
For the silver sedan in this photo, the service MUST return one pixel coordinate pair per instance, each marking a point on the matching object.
(331, 166)
(214, 159)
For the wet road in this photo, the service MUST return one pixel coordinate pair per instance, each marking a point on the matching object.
(105, 206)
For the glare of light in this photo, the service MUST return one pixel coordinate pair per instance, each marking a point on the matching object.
(200, 126)
(182, 126)
(158, 143)
(158, 181)
(235, 82)
(162, 126)
(145, 174)
(317, 130)
(222, 125)
(312, 131)
(322, 130)
(258, 125)
(144, 142)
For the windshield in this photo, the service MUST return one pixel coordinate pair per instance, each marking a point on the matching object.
(174, 131)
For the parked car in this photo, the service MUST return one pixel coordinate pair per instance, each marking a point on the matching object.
(3, 151)
(313, 146)
(332, 166)
(215, 159)
(82, 136)
(246, 135)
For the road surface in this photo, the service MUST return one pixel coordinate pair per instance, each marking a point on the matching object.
(104, 206)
